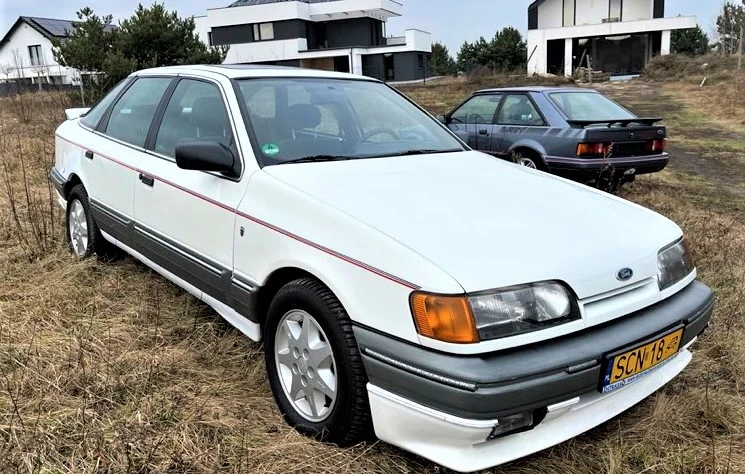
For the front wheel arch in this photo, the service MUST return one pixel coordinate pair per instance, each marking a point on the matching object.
(276, 280)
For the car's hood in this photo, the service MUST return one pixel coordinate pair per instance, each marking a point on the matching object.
(491, 224)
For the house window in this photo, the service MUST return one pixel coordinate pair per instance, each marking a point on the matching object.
(615, 10)
(264, 32)
(569, 7)
(35, 53)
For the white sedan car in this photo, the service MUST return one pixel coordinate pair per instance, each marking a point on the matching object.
(463, 308)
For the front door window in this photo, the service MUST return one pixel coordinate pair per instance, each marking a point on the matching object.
(196, 112)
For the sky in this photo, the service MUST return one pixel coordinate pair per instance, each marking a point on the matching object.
(450, 21)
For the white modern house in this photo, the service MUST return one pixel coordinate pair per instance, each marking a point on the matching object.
(26, 52)
(618, 36)
(337, 35)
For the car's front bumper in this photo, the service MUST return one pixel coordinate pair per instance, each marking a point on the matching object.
(444, 406)
(461, 444)
(587, 167)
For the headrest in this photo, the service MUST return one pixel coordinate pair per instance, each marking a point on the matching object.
(301, 116)
(208, 113)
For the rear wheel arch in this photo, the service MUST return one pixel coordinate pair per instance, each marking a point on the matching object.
(72, 181)
(531, 153)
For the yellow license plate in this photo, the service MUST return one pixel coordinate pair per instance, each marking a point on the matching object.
(629, 366)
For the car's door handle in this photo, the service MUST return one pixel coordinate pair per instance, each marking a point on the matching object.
(483, 131)
(147, 180)
(89, 154)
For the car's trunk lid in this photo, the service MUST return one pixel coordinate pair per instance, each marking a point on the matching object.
(628, 140)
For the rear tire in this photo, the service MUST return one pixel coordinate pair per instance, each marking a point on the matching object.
(528, 160)
(83, 235)
(314, 365)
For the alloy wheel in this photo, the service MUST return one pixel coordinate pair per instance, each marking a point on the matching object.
(527, 162)
(306, 365)
(78, 228)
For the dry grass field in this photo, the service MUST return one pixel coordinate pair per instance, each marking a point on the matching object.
(109, 368)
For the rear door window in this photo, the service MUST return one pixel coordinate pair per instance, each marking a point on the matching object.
(133, 114)
(195, 112)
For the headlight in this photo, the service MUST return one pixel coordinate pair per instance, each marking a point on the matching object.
(522, 309)
(673, 264)
(493, 314)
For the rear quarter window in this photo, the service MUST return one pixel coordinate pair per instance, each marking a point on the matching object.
(93, 117)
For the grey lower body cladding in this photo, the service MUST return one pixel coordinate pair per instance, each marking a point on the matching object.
(588, 167)
(210, 277)
(489, 386)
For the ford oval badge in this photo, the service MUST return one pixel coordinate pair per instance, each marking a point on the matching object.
(625, 274)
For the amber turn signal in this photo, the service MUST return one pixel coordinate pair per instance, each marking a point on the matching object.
(445, 318)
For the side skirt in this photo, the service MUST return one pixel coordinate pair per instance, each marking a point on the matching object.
(213, 280)
(250, 329)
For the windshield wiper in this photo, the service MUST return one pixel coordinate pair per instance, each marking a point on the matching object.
(317, 159)
(423, 152)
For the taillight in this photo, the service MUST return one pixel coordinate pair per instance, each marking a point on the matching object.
(656, 145)
(592, 149)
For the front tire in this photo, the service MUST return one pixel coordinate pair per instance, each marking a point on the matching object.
(314, 365)
(83, 235)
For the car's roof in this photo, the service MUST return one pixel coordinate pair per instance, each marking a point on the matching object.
(532, 89)
(237, 71)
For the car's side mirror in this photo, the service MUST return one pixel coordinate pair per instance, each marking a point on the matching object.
(207, 156)
(443, 119)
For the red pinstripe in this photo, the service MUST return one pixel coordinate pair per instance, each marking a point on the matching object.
(262, 223)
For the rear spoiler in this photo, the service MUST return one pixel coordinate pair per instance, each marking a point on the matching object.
(624, 122)
(72, 114)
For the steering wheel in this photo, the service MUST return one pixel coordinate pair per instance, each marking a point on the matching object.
(380, 131)
(413, 136)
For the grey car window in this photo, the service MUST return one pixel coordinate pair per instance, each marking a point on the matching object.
(196, 112)
(518, 109)
(93, 117)
(589, 106)
(132, 115)
(480, 110)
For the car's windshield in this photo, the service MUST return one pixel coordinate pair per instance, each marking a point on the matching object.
(589, 106)
(317, 119)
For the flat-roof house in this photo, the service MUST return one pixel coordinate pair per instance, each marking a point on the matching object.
(336, 35)
(618, 36)
(26, 52)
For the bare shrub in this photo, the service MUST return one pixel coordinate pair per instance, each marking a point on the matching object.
(25, 159)
(676, 67)
(22, 105)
